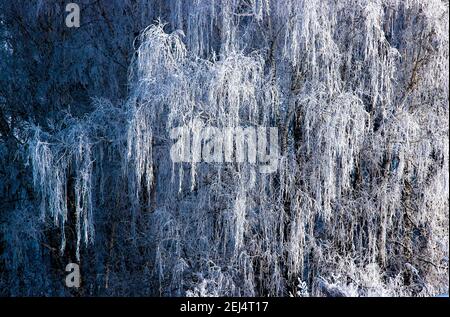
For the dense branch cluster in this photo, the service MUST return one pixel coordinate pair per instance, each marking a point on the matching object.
(357, 206)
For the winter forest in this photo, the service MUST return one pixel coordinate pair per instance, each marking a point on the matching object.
(355, 201)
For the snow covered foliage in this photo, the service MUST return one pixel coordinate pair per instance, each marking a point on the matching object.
(64, 160)
(351, 199)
